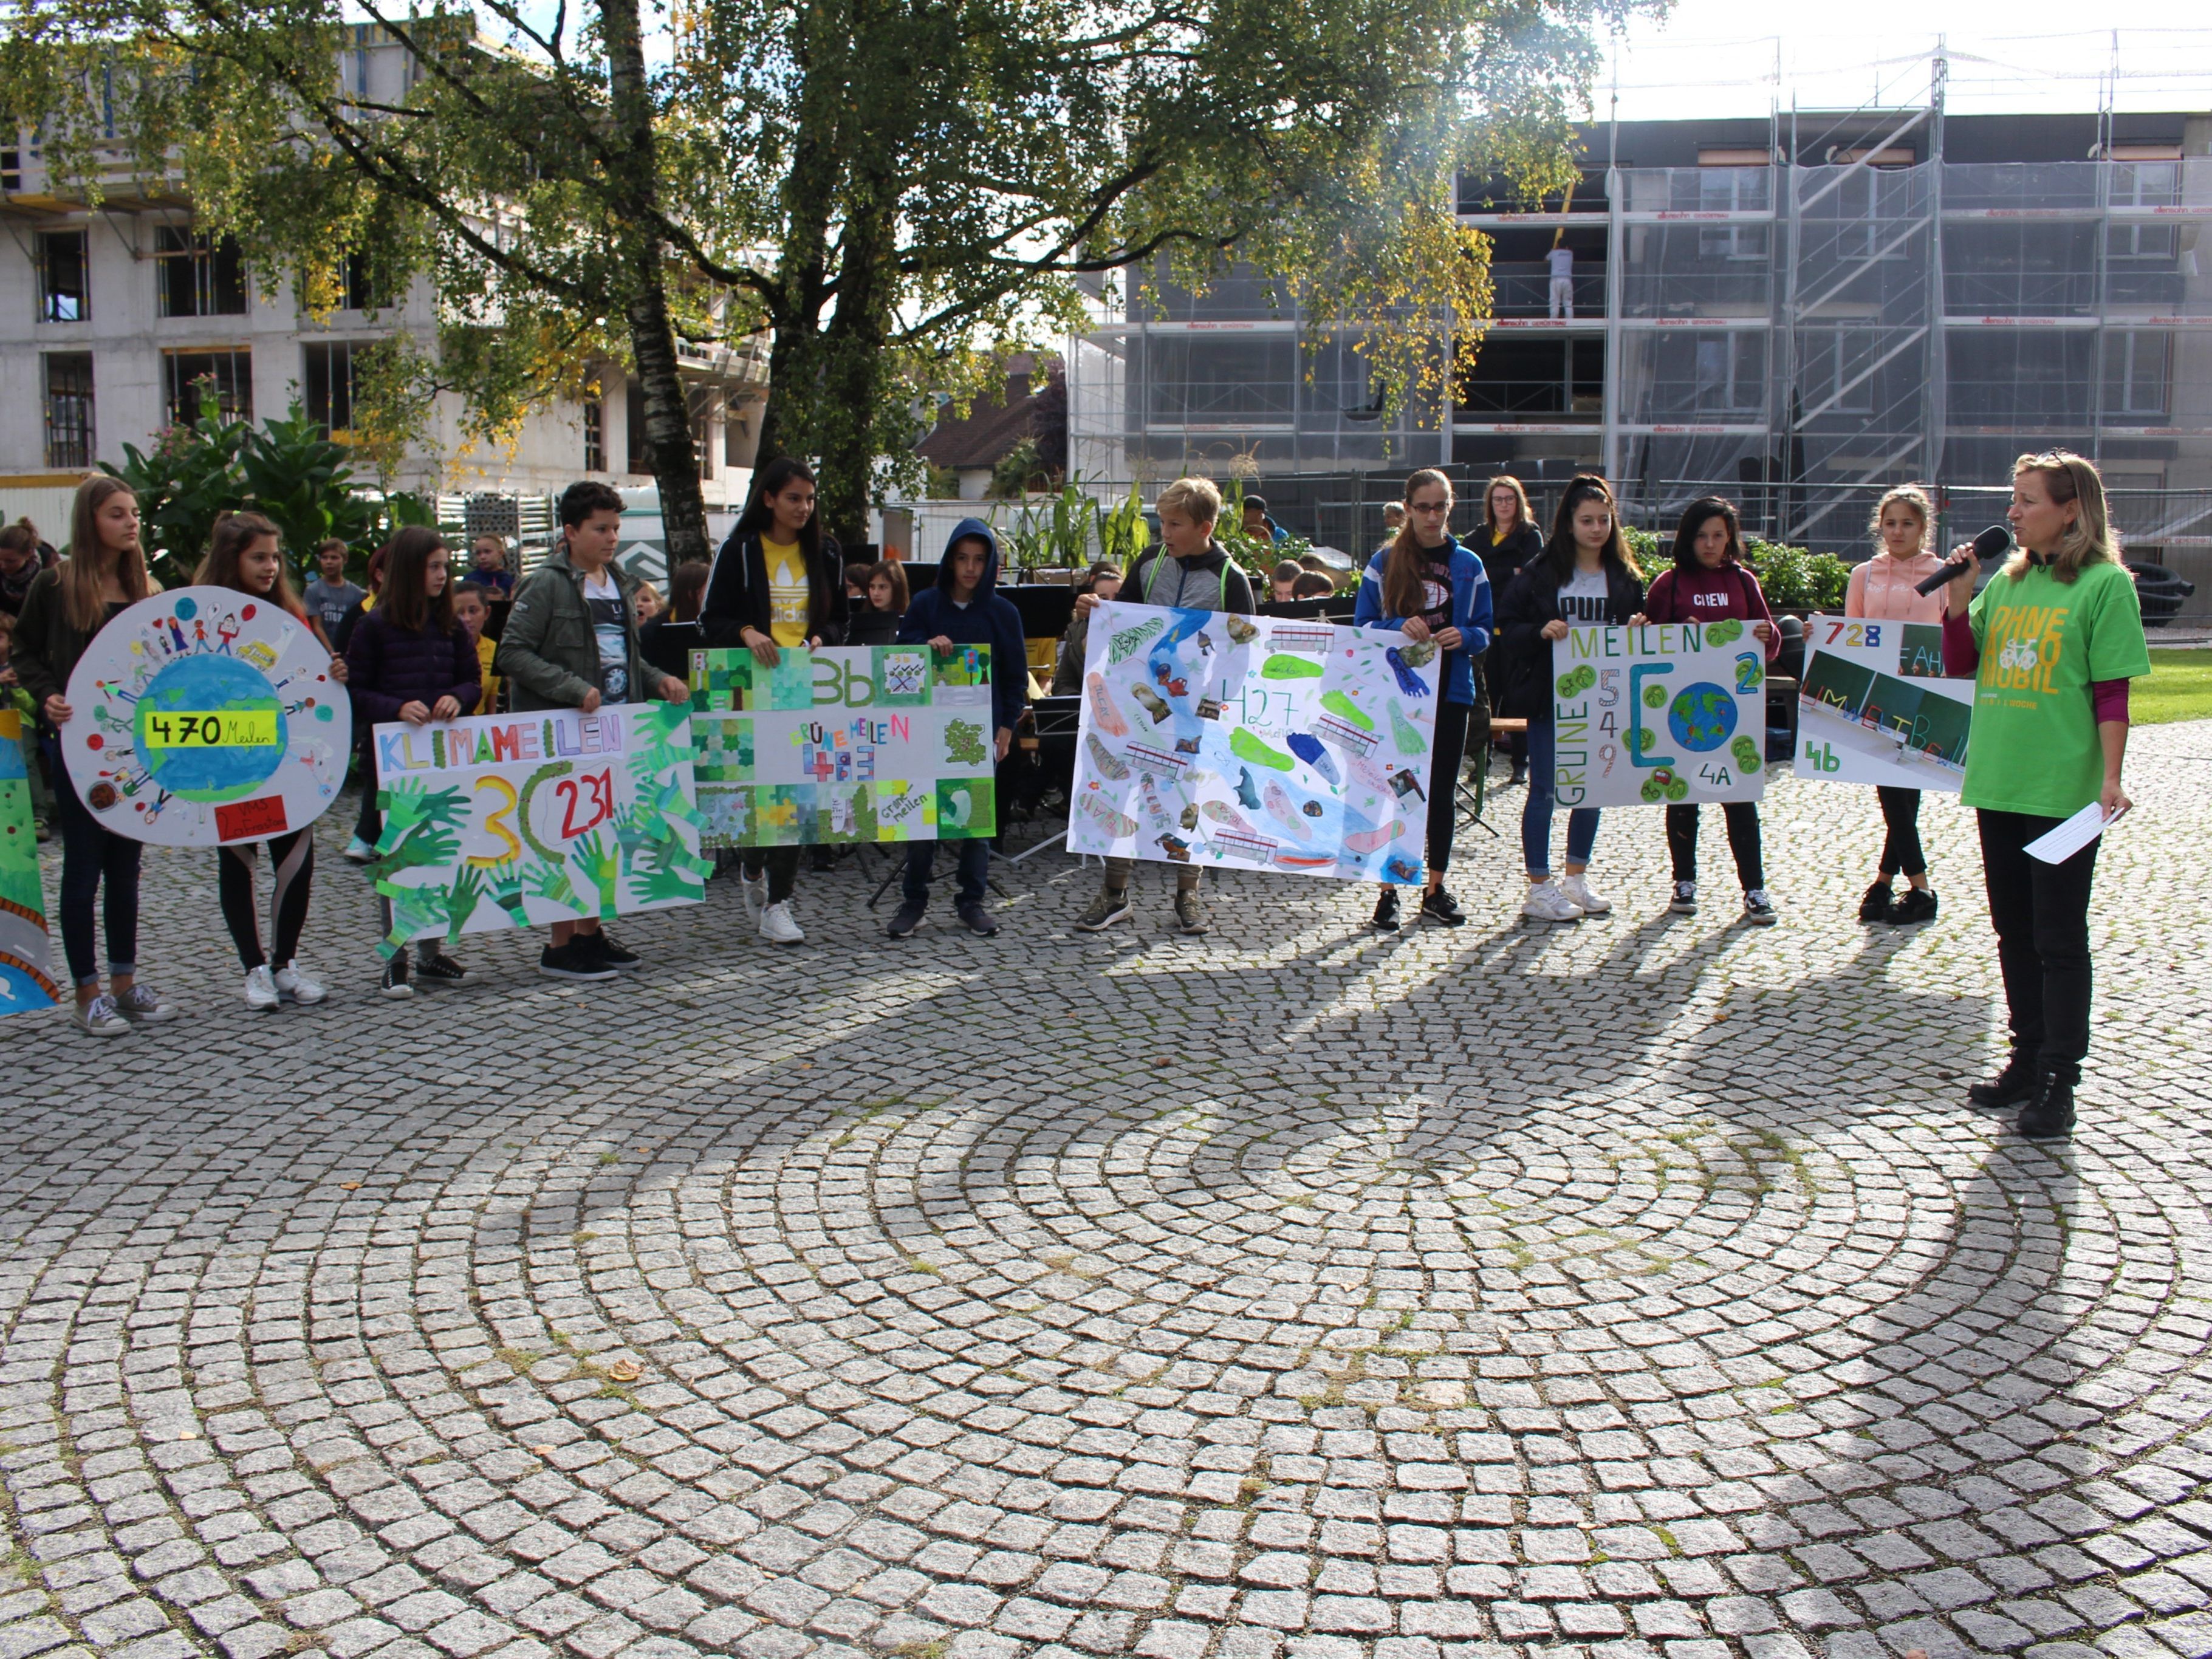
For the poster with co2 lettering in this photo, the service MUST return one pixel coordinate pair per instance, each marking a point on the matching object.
(1875, 706)
(1659, 714)
(518, 820)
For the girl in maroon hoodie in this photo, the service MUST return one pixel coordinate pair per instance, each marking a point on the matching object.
(1709, 582)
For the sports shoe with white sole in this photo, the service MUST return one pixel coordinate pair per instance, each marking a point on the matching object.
(99, 1017)
(1759, 910)
(1545, 902)
(1685, 902)
(261, 988)
(1190, 912)
(295, 984)
(1580, 892)
(1103, 912)
(753, 890)
(358, 851)
(142, 1005)
(779, 927)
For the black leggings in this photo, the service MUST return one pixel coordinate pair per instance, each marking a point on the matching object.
(1743, 840)
(93, 854)
(1900, 847)
(1444, 783)
(781, 863)
(293, 860)
(2040, 913)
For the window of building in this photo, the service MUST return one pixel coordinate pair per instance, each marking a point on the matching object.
(2136, 372)
(327, 383)
(198, 275)
(69, 411)
(65, 288)
(227, 371)
(363, 289)
(595, 437)
(1731, 373)
(1830, 365)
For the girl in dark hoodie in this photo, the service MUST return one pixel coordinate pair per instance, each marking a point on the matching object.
(1709, 582)
(778, 585)
(964, 608)
(409, 661)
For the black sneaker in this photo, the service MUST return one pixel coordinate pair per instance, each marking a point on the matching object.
(824, 859)
(902, 925)
(1878, 904)
(1385, 919)
(394, 982)
(1520, 778)
(2010, 1087)
(441, 969)
(1685, 902)
(2049, 1114)
(1917, 905)
(976, 919)
(567, 961)
(603, 946)
(1437, 905)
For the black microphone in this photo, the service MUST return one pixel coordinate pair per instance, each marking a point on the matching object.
(1987, 546)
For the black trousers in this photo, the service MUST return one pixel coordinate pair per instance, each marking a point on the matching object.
(1743, 840)
(1444, 782)
(2040, 912)
(1900, 847)
(292, 859)
(781, 866)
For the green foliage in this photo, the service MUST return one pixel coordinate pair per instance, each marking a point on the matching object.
(1257, 556)
(1795, 578)
(1010, 477)
(1123, 534)
(287, 471)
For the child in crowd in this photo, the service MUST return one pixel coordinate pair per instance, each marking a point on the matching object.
(571, 642)
(884, 600)
(856, 583)
(12, 695)
(473, 611)
(1585, 577)
(964, 608)
(1189, 572)
(1710, 583)
(361, 847)
(246, 555)
(65, 608)
(649, 604)
(1283, 581)
(778, 585)
(671, 653)
(409, 661)
(1883, 588)
(1312, 584)
(489, 571)
(330, 596)
(1102, 582)
(1429, 587)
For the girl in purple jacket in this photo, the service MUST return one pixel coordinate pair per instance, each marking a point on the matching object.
(409, 661)
(1709, 581)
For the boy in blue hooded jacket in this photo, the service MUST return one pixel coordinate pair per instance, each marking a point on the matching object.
(964, 609)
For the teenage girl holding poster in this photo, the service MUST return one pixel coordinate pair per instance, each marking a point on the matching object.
(2052, 643)
(1585, 577)
(1882, 588)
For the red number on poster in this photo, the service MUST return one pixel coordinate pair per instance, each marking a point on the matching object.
(596, 797)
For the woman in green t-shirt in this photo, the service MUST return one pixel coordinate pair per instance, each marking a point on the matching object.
(2051, 643)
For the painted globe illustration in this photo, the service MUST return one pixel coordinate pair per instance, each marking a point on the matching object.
(209, 728)
(1702, 717)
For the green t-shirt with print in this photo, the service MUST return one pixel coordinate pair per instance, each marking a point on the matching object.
(2034, 747)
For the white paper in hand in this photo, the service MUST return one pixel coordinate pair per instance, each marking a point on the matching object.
(2071, 836)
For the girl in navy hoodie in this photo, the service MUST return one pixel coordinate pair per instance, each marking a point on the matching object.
(964, 609)
(409, 661)
(1709, 582)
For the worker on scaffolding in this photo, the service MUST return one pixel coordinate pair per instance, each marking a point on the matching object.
(1561, 259)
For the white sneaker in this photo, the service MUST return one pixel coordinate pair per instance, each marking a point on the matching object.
(260, 988)
(99, 1017)
(779, 927)
(295, 984)
(754, 891)
(1579, 892)
(358, 851)
(1545, 902)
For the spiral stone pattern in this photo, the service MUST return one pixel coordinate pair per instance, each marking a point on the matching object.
(1642, 1288)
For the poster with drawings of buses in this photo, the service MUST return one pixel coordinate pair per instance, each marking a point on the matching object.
(1875, 706)
(1255, 743)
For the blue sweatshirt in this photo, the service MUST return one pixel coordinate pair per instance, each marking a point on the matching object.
(986, 619)
(1470, 614)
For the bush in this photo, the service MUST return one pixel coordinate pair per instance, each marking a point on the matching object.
(1795, 578)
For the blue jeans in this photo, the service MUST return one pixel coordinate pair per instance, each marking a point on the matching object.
(921, 862)
(1536, 812)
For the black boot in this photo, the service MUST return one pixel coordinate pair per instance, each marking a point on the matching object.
(1917, 905)
(2011, 1086)
(1878, 902)
(2049, 1114)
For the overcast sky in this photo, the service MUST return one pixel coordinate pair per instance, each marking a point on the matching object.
(1721, 56)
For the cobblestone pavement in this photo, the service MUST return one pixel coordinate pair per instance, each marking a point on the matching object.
(1641, 1289)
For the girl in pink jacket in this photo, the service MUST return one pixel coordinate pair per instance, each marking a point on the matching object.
(1882, 588)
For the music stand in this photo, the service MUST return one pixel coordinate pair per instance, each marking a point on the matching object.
(1056, 722)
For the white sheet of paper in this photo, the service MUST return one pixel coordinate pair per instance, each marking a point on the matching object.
(2070, 837)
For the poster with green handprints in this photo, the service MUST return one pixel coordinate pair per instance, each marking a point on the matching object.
(519, 820)
(848, 743)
